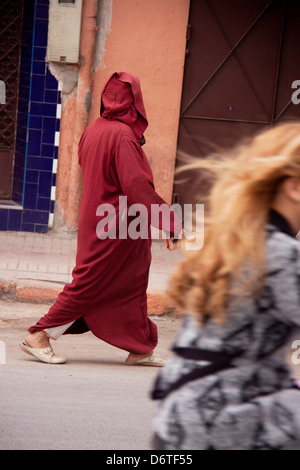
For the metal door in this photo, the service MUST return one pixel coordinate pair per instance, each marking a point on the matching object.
(10, 45)
(242, 59)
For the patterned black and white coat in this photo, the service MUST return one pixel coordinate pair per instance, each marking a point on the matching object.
(252, 403)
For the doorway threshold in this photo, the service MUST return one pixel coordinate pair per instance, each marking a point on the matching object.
(9, 204)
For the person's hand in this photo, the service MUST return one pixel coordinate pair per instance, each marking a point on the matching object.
(172, 244)
(169, 244)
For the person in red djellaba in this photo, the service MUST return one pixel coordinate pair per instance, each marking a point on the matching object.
(108, 292)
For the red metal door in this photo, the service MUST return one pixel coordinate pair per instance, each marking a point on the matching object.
(242, 58)
(10, 44)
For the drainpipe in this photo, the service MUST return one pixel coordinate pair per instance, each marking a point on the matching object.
(85, 78)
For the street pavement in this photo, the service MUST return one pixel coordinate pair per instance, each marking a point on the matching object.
(50, 258)
(93, 402)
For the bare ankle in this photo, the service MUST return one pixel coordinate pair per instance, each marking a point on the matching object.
(138, 357)
(37, 339)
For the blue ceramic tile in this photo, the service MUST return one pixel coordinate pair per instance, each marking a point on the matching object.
(38, 163)
(51, 96)
(9, 218)
(39, 67)
(30, 198)
(17, 191)
(37, 88)
(50, 109)
(45, 180)
(35, 122)
(39, 53)
(25, 81)
(48, 130)
(42, 11)
(43, 109)
(41, 128)
(37, 109)
(43, 204)
(34, 142)
(27, 227)
(41, 33)
(18, 183)
(35, 217)
(32, 176)
(14, 220)
(29, 7)
(41, 228)
(51, 82)
(3, 219)
(20, 156)
(47, 151)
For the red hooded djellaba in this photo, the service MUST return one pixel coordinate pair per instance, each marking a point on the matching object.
(108, 292)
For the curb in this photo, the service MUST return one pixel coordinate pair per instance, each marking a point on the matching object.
(24, 290)
(45, 292)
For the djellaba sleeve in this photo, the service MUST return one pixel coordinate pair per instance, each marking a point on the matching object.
(135, 178)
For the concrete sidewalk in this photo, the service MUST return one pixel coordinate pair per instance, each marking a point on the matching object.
(35, 267)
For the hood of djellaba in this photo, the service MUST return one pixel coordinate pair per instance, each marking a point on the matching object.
(122, 100)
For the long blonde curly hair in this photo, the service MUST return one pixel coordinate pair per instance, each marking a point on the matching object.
(245, 181)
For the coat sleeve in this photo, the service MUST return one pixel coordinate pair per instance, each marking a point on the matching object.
(283, 282)
(135, 178)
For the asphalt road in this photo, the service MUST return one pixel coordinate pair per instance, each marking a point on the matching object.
(93, 402)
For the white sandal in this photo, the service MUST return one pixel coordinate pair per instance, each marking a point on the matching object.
(153, 360)
(43, 354)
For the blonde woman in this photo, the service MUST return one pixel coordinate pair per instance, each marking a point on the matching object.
(227, 384)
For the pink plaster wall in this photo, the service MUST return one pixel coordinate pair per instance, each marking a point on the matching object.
(148, 38)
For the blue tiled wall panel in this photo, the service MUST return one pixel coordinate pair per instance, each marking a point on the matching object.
(36, 127)
(41, 32)
(51, 82)
(35, 122)
(39, 163)
(37, 88)
(34, 142)
(42, 10)
(43, 109)
(49, 126)
(43, 204)
(4, 219)
(23, 104)
(31, 195)
(45, 184)
(14, 220)
(32, 176)
(35, 217)
(39, 53)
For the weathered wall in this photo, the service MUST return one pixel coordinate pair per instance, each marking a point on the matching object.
(75, 83)
(147, 38)
(143, 37)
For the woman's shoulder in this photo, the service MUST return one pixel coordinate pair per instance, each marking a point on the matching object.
(281, 247)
